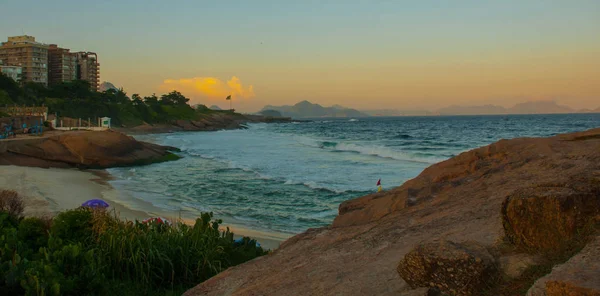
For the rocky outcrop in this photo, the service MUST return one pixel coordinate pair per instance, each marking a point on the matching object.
(209, 122)
(544, 219)
(82, 149)
(580, 276)
(513, 265)
(457, 269)
(458, 200)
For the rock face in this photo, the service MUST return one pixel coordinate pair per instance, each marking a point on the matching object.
(83, 149)
(513, 265)
(457, 200)
(580, 276)
(545, 218)
(458, 269)
(209, 122)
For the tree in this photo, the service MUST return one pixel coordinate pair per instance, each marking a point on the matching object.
(5, 99)
(174, 98)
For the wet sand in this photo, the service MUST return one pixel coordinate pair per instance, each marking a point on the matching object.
(49, 191)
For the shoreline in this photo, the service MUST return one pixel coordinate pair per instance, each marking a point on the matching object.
(49, 191)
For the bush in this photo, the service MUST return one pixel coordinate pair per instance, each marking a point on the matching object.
(34, 232)
(87, 251)
(73, 225)
(11, 202)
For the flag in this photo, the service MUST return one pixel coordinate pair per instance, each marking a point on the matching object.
(228, 98)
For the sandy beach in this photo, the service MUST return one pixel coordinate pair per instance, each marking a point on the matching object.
(49, 191)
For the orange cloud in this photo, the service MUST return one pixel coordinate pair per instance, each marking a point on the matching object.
(210, 88)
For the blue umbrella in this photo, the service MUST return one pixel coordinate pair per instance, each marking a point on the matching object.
(95, 203)
(241, 241)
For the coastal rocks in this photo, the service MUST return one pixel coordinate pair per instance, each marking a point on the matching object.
(456, 269)
(580, 276)
(513, 265)
(207, 122)
(83, 149)
(545, 219)
(457, 200)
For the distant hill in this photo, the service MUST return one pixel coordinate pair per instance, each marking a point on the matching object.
(269, 112)
(106, 86)
(539, 107)
(533, 107)
(215, 107)
(597, 110)
(306, 109)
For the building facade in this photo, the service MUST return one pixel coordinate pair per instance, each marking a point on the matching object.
(88, 68)
(62, 65)
(13, 72)
(29, 55)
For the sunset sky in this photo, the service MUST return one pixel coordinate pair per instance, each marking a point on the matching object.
(363, 54)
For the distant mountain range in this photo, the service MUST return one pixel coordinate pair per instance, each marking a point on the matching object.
(306, 109)
(215, 107)
(532, 107)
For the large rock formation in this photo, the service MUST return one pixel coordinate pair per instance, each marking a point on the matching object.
(208, 122)
(457, 200)
(545, 218)
(458, 269)
(82, 149)
(580, 276)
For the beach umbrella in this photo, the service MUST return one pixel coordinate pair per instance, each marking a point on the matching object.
(95, 203)
(159, 220)
(241, 241)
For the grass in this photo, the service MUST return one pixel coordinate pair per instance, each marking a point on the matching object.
(92, 252)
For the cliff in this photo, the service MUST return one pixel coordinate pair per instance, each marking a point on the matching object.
(208, 122)
(493, 219)
(82, 149)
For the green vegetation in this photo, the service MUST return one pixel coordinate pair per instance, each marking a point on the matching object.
(76, 100)
(91, 252)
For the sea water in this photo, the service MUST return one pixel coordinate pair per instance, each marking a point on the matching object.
(287, 177)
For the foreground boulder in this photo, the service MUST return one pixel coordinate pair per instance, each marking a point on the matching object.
(580, 276)
(459, 199)
(82, 149)
(547, 218)
(456, 269)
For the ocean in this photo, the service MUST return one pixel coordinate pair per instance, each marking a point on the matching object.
(287, 177)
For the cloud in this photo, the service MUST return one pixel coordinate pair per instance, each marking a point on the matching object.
(208, 88)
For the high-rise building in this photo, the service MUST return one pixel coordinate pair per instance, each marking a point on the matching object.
(13, 72)
(62, 65)
(31, 56)
(88, 68)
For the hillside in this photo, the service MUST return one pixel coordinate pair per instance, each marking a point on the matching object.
(482, 215)
(306, 109)
(533, 107)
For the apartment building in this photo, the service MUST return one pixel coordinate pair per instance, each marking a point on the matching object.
(88, 68)
(13, 72)
(29, 55)
(62, 65)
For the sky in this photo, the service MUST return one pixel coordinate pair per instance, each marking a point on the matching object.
(377, 54)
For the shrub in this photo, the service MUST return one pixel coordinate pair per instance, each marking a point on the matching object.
(11, 202)
(91, 252)
(73, 225)
(34, 232)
